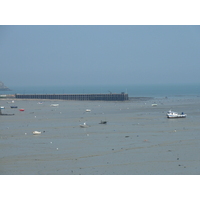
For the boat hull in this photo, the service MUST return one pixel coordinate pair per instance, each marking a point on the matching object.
(179, 116)
(13, 107)
(54, 105)
(84, 125)
(37, 132)
(103, 122)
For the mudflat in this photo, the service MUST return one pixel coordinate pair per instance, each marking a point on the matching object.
(138, 138)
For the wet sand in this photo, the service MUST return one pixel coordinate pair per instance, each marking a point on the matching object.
(137, 140)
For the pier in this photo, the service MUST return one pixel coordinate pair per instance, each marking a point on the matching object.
(81, 97)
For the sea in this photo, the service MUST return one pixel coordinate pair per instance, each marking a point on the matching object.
(170, 90)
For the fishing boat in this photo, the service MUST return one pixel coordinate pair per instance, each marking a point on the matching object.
(171, 114)
(37, 132)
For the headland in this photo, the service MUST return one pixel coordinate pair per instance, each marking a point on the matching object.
(3, 87)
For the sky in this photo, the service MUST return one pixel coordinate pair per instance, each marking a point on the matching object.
(99, 55)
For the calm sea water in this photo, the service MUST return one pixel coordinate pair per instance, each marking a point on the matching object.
(132, 90)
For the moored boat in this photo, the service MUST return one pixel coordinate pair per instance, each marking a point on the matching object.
(55, 105)
(13, 107)
(21, 109)
(171, 114)
(37, 132)
(103, 122)
(84, 125)
(10, 101)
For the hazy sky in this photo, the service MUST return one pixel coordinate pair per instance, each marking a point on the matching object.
(99, 55)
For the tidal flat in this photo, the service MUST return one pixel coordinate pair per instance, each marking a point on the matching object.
(138, 138)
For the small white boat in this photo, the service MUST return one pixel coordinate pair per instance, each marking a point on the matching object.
(171, 114)
(84, 125)
(37, 132)
(54, 105)
(154, 104)
(10, 101)
(2, 107)
(87, 110)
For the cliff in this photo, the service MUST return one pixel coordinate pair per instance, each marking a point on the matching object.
(3, 87)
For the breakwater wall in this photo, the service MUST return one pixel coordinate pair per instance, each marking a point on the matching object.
(81, 97)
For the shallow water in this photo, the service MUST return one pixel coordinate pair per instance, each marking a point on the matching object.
(138, 138)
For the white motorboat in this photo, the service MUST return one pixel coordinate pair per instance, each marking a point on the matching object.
(37, 132)
(171, 114)
(87, 110)
(84, 125)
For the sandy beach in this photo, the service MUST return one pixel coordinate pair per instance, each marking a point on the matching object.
(138, 139)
